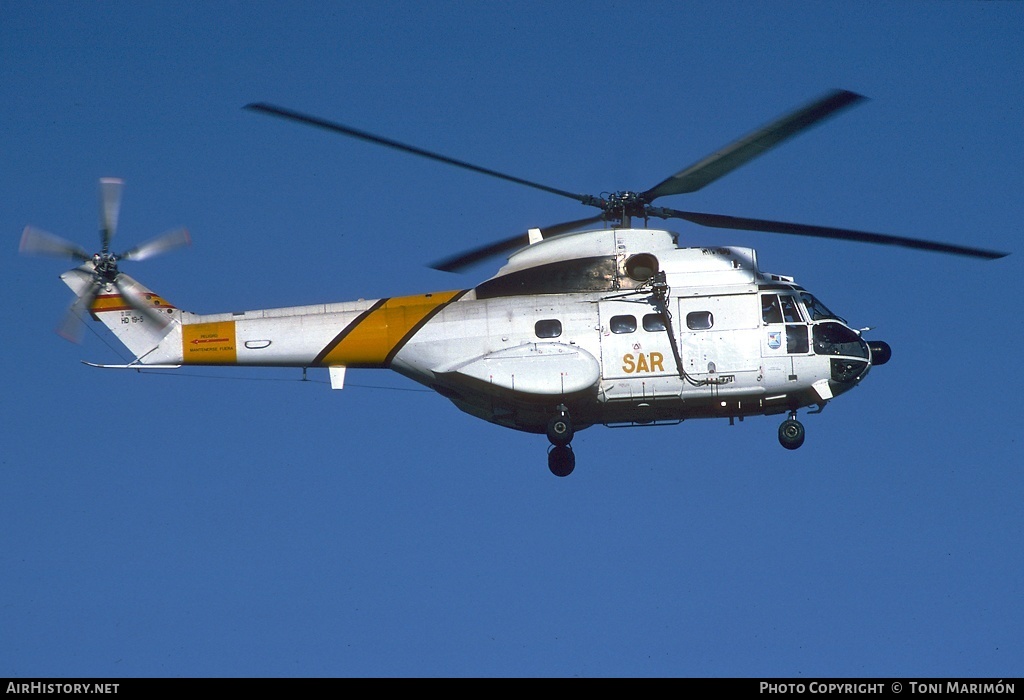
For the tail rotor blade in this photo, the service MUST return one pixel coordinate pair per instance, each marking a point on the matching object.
(135, 298)
(159, 245)
(110, 208)
(72, 325)
(35, 241)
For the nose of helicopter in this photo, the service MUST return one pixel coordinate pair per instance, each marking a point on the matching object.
(880, 352)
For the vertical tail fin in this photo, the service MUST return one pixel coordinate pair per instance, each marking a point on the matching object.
(139, 317)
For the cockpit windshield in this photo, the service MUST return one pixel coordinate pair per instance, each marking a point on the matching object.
(816, 309)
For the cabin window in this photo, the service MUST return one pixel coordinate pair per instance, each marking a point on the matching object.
(622, 324)
(654, 322)
(699, 320)
(548, 328)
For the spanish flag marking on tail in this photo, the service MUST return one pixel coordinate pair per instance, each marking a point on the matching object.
(375, 337)
(209, 343)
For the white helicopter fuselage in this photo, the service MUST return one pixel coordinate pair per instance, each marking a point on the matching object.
(583, 321)
(615, 326)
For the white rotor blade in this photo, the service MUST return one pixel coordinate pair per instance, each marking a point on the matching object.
(72, 324)
(110, 207)
(35, 241)
(131, 292)
(161, 244)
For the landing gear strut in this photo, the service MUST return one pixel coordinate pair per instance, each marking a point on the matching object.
(791, 432)
(561, 460)
(560, 430)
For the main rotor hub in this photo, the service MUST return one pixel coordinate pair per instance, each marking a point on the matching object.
(624, 205)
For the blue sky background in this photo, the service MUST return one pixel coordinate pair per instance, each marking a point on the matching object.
(242, 523)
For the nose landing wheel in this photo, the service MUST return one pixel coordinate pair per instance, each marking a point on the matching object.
(561, 460)
(791, 432)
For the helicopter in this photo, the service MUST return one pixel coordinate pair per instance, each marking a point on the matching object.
(592, 321)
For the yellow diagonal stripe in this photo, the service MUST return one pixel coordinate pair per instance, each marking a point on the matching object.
(371, 342)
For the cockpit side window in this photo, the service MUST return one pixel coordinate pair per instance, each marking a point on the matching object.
(837, 339)
(771, 310)
(815, 308)
(796, 339)
(790, 309)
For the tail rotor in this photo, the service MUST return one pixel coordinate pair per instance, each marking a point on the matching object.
(99, 272)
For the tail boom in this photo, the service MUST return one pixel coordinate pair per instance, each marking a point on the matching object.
(364, 333)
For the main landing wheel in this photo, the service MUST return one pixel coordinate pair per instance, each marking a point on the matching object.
(560, 430)
(561, 460)
(791, 433)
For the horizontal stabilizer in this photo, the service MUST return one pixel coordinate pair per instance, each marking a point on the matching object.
(130, 365)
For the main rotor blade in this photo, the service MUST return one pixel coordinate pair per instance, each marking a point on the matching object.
(110, 208)
(159, 245)
(471, 257)
(130, 291)
(740, 152)
(35, 241)
(766, 226)
(72, 325)
(382, 141)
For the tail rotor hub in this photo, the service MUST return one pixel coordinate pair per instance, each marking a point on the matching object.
(105, 266)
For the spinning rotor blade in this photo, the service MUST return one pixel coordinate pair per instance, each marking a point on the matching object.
(72, 324)
(471, 257)
(381, 141)
(131, 293)
(623, 206)
(110, 208)
(743, 224)
(159, 245)
(35, 241)
(740, 152)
